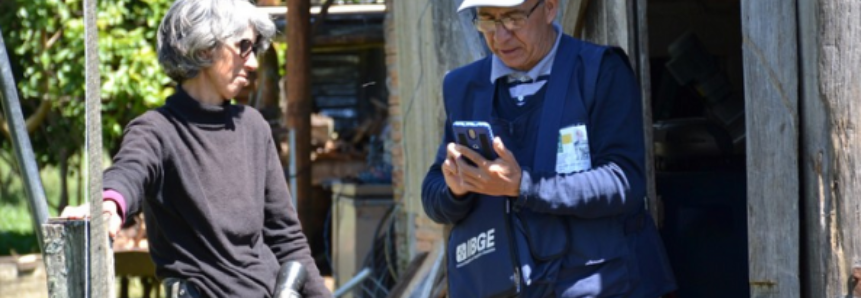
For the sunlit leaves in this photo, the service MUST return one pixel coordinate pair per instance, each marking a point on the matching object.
(46, 41)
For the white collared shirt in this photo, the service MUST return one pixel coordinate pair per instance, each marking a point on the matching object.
(529, 84)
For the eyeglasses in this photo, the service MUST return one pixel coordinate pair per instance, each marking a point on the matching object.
(511, 22)
(246, 47)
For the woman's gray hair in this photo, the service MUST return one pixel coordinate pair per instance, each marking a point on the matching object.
(192, 28)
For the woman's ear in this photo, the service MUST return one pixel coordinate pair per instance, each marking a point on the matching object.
(206, 54)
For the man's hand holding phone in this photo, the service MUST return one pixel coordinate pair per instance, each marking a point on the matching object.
(498, 177)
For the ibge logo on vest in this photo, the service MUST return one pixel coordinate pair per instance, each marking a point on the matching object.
(475, 247)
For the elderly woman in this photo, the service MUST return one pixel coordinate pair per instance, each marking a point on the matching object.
(204, 171)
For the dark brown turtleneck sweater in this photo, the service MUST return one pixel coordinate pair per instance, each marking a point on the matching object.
(213, 192)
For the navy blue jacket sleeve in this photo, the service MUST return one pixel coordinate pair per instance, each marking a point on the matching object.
(437, 199)
(616, 183)
(439, 203)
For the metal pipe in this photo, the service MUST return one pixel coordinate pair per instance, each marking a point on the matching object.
(292, 169)
(353, 282)
(101, 257)
(21, 143)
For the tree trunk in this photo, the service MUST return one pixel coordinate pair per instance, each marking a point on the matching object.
(82, 167)
(64, 180)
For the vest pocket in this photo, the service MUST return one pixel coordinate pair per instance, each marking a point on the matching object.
(607, 278)
(597, 264)
(546, 235)
(541, 242)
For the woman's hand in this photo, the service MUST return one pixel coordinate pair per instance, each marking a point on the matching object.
(110, 215)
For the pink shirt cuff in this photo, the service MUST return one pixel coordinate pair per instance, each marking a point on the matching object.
(113, 195)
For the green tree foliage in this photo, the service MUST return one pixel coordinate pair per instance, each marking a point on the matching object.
(45, 39)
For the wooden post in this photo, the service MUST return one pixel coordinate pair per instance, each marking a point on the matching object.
(831, 87)
(640, 32)
(298, 88)
(65, 256)
(771, 103)
(574, 18)
(609, 22)
(101, 255)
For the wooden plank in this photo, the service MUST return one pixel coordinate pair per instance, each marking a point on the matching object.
(608, 22)
(421, 279)
(831, 57)
(771, 98)
(65, 255)
(405, 280)
(574, 17)
(641, 32)
(815, 154)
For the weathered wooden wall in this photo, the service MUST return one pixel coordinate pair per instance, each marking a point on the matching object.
(771, 99)
(831, 147)
(427, 39)
(610, 22)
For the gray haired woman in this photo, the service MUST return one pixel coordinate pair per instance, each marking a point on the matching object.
(204, 171)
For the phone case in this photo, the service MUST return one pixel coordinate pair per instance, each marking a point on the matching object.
(477, 135)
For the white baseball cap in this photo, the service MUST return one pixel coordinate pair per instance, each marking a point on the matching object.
(494, 3)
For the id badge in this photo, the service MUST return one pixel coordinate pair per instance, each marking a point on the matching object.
(573, 151)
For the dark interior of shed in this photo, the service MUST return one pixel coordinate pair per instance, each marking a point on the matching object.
(695, 49)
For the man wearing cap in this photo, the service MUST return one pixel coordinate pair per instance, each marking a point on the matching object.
(561, 211)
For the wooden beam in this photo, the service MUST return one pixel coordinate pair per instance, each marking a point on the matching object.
(771, 102)
(608, 22)
(640, 32)
(65, 257)
(574, 17)
(298, 88)
(830, 59)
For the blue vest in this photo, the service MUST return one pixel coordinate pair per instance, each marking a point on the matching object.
(544, 254)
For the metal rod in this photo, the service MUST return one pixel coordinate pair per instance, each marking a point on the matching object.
(353, 282)
(292, 169)
(101, 273)
(21, 143)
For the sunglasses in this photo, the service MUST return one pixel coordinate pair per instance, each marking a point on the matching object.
(246, 47)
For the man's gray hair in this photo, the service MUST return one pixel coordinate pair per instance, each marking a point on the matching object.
(192, 28)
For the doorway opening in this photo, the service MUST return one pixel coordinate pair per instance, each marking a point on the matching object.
(695, 50)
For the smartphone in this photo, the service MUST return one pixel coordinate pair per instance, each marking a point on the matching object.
(476, 135)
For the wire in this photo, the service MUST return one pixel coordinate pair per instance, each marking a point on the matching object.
(386, 244)
(384, 274)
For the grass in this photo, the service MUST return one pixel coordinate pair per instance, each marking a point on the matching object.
(16, 225)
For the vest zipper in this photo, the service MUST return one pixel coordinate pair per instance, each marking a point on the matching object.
(513, 244)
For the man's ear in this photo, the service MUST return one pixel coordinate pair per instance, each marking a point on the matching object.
(551, 7)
